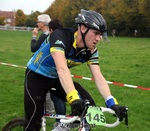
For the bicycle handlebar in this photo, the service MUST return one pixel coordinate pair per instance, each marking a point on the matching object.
(74, 118)
(116, 123)
(70, 120)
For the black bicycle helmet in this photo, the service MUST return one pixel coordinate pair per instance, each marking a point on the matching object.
(91, 19)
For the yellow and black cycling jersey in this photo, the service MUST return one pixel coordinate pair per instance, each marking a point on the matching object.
(63, 40)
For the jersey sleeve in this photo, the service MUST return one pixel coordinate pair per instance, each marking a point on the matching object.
(57, 41)
(94, 59)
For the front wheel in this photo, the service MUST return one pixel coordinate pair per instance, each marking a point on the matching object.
(16, 124)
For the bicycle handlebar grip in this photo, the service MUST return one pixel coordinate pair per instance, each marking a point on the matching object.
(111, 112)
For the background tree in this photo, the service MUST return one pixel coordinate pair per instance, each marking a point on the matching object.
(56, 10)
(31, 19)
(30, 23)
(144, 12)
(123, 15)
(20, 18)
(73, 9)
(2, 20)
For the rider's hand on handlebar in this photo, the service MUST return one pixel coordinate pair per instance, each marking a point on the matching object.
(77, 107)
(120, 111)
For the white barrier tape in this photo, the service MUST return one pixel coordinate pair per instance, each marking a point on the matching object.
(87, 78)
(7, 64)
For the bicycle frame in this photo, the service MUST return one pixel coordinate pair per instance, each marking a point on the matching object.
(70, 119)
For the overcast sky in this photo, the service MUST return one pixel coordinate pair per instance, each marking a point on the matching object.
(26, 5)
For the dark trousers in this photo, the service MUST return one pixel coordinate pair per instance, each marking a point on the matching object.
(59, 104)
(35, 88)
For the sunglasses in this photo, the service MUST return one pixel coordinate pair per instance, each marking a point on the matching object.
(39, 22)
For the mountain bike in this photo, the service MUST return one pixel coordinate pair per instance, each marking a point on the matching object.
(91, 117)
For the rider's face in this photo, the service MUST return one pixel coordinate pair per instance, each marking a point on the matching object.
(92, 38)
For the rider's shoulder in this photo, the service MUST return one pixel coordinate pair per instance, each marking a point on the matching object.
(64, 30)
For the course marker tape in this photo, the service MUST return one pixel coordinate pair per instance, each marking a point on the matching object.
(87, 78)
(7, 64)
(114, 83)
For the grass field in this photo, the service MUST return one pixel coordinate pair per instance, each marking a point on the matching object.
(124, 59)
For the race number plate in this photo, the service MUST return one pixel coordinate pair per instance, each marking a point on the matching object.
(95, 116)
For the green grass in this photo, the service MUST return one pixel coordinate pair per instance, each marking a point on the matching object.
(124, 59)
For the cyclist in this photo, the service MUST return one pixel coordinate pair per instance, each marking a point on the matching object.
(49, 68)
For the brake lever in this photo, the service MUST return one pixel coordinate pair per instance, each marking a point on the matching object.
(86, 103)
(126, 117)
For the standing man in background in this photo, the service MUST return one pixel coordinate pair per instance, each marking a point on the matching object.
(43, 21)
(42, 24)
